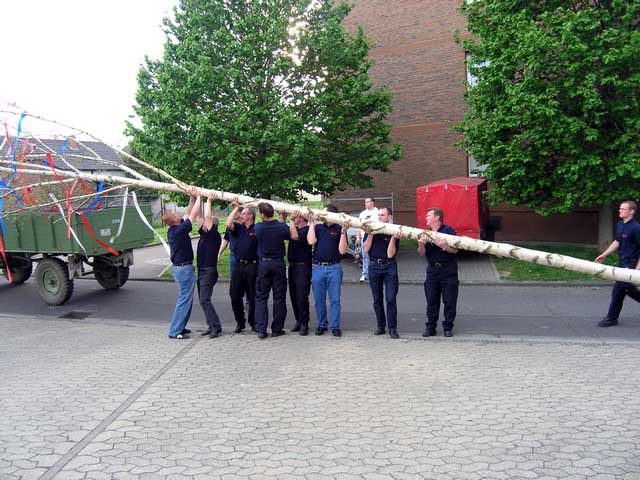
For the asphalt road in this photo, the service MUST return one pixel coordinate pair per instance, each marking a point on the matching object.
(494, 311)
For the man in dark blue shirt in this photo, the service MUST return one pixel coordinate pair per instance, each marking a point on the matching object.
(627, 243)
(182, 265)
(271, 236)
(243, 277)
(330, 243)
(208, 248)
(299, 256)
(442, 274)
(383, 275)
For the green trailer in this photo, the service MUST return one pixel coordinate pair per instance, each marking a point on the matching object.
(43, 239)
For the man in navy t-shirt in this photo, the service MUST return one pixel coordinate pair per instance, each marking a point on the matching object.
(243, 276)
(383, 275)
(271, 235)
(208, 247)
(442, 274)
(299, 256)
(181, 254)
(627, 243)
(330, 243)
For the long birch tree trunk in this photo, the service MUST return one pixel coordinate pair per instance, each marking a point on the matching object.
(463, 243)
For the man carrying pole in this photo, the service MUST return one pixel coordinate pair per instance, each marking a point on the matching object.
(182, 265)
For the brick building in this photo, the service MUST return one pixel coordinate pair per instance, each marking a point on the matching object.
(417, 58)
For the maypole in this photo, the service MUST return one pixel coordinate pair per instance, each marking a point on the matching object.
(173, 184)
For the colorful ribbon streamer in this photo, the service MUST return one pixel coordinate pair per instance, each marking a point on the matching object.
(93, 235)
(144, 220)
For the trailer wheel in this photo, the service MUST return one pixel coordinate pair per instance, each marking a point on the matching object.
(52, 280)
(21, 274)
(110, 277)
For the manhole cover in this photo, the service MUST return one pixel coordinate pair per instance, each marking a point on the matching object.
(75, 315)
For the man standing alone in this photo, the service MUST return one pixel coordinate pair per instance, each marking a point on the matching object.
(383, 275)
(271, 236)
(627, 244)
(442, 275)
(182, 265)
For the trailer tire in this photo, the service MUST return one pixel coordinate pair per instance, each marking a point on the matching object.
(111, 278)
(53, 282)
(20, 275)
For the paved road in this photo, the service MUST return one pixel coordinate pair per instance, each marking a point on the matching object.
(529, 388)
(115, 399)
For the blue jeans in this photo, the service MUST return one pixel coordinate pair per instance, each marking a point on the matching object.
(185, 277)
(365, 260)
(383, 280)
(327, 280)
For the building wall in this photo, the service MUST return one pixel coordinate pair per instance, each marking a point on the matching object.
(424, 69)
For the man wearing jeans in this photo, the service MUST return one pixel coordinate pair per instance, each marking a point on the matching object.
(369, 214)
(208, 247)
(383, 275)
(182, 265)
(330, 243)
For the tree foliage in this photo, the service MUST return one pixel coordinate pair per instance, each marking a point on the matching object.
(555, 115)
(266, 97)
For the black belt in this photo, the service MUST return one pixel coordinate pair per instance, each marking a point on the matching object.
(441, 264)
(299, 263)
(325, 264)
(245, 262)
(267, 259)
(183, 264)
(381, 261)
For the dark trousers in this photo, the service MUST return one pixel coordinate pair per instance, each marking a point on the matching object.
(299, 289)
(441, 284)
(621, 290)
(271, 276)
(243, 281)
(383, 280)
(207, 278)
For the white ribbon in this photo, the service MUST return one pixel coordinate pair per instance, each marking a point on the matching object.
(61, 211)
(144, 220)
(124, 210)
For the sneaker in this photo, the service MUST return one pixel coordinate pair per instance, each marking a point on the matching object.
(393, 333)
(429, 332)
(448, 333)
(178, 337)
(363, 279)
(278, 333)
(320, 330)
(185, 331)
(336, 332)
(607, 322)
(379, 331)
(215, 334)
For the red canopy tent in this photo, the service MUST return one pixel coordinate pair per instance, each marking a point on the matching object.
(462, 201)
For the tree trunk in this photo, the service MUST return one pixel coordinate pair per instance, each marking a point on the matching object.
(605, 226)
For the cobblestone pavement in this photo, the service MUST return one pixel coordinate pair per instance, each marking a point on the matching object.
(102, 399)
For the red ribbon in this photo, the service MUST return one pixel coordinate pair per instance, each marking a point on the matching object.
(4, 256)
(102, 244)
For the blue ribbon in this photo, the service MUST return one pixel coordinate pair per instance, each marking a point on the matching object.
(15, 145)
(93, 204)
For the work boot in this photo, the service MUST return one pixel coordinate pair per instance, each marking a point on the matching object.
(607, 322)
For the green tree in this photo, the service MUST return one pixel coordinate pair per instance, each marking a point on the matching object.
(555, 114)
(266, 97)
